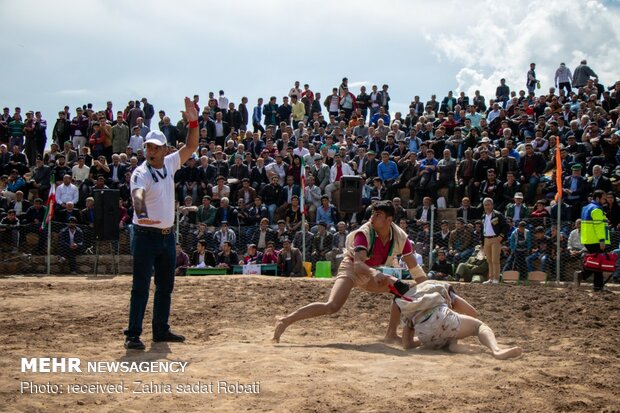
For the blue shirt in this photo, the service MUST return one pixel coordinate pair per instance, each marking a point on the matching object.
(514, 154)
(425, 162)
(324, 216)
(387, 171)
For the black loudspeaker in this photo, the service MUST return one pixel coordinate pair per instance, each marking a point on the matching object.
(350, 193)
(107, 214)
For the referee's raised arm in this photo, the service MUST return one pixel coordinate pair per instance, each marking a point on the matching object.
(191, 145)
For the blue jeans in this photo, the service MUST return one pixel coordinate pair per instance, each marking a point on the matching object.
(151, 250)
(544, 258)
(533, 182)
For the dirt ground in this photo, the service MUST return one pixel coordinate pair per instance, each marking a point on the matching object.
(330, 364)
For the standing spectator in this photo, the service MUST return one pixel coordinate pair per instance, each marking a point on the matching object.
(62, 129)
(531, 82)
(149, 112)
(502, 92)
(243, 111)
(582, 74)
(256, 118)
(16, 132)
(135, 113)
(71, 239)
(493, 229)
(563, 78)
(520, 246)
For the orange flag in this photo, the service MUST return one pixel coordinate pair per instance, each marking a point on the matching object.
(558, 169)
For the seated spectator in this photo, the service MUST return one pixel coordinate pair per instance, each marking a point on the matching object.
(227, 258)
(64, 214)
(270, 255)
(321, 243)
(9, 230)
(281, 233)
(326, 213)
(476, 265)
(71, 239)
(253, 256)
(517, 210)
(441, 268)
(20, 205)
(201, 256)
(612, 211)
(225, 234)
(206, 212)
(520, 242)
(225, 213)
(263, 235)
(467, 212)
(293, 215)
(182, 261)
(461, 243)
(539, 215)
(540, 251)
(289, 261)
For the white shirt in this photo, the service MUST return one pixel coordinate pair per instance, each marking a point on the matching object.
(67, 193)
(301, 152)
(135, 143)
(80, 174)
(346, 171)
(488, 227)
(158, 196)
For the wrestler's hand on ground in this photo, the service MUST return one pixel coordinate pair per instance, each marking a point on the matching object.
(190, 110)
(148, 221)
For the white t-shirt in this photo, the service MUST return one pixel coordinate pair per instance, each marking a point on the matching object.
(488, 227)
(158, 196)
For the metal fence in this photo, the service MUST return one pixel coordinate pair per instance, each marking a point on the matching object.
(444, 250)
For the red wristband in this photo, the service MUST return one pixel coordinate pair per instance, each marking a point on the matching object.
(193, 124)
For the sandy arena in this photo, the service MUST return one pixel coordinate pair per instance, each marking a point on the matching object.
(328, 364)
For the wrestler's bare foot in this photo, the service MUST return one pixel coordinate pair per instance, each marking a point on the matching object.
(280, 327)
(392, 339)
(508, 353)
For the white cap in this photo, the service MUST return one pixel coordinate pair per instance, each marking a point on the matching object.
(156, 137)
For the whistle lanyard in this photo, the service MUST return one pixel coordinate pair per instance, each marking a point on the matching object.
(155, 173)
(372, 243)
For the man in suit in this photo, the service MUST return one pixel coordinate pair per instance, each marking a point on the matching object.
(321, 243)
(263, 235)
(321, 172)
(290, 261)
(494, 228)
(575, 189)
(219, 129)
(246, 192)
(531, 166)
(448, 103)
(504, 164)
(288, 191)
(117, 172)
(70, 154)
(517, 210)
(71, 239)
(20, 205)
(258, 177)
(423, 212)
(467, 212)
(598, 181)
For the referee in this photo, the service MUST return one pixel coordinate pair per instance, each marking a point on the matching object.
(152, 192)
(594, 236)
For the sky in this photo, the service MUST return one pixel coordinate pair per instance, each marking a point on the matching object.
(75, 52)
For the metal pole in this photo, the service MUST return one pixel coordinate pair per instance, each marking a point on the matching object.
(303, 238)
(178, 214)
(430, 251)
(558, 247)
(49, 248)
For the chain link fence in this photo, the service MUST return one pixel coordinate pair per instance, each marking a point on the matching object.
(445, 247)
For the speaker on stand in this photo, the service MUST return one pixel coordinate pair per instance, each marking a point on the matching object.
(107, 220)
(351, 194)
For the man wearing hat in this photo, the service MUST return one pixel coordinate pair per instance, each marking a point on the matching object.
(575, 190)
(71, 239)
(154, 244)
(517, 210)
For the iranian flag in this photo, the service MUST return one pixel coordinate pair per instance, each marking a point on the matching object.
(49, 205)
(302, 178)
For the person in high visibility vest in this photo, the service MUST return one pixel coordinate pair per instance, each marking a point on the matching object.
(594, 235)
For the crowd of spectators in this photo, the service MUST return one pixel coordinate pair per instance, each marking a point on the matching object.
(242, 189)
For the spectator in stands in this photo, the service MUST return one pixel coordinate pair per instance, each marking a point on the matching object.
(337, 171)
(67, 192)
(201, 256)
(225, 234)
(182, 261)
(541, 249)
(493, 230)
(71, 239)
(520, 242)
(428, 180)
(272, 195)
(326, 212)
(227, 258)
(532, 166)
(322, 242)
(9, 229)
(290, 261)
(517, 210)
(441, 268)
(576, 190)
(492, 188)
(253, 256)
(582, 74)
(460, 243)
(263, 235)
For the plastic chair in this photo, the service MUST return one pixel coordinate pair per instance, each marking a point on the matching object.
(323, 269)
(308, 267)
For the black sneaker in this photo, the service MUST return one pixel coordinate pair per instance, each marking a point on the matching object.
(169, 336)
(134, 343)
